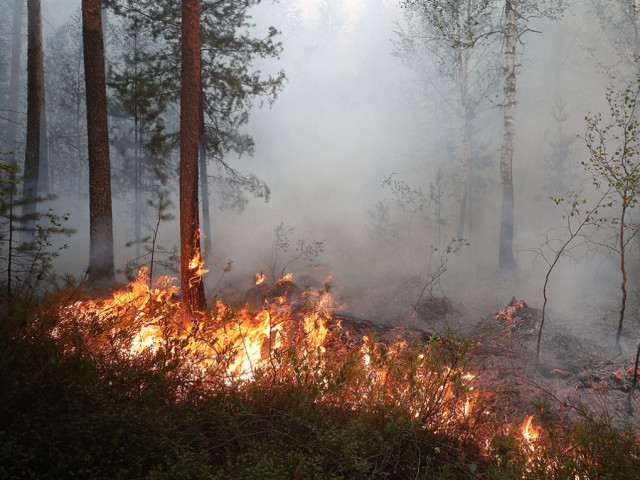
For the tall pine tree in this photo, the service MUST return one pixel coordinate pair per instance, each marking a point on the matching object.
(101, 266)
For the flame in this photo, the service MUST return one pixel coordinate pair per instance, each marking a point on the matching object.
(529, 433)
(196, 264)
(260, 278)
(138, 319)
(285, 338)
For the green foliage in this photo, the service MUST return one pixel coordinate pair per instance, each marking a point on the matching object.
(614, 145)
(231, 83)
(26, 240)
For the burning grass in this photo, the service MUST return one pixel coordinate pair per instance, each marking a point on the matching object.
(280, 389)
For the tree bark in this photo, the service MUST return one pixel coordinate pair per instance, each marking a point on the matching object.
(14, 82)
(100, 216)
(623, 271)
(204, 179)
(506, 258)
(192, 287)
(35, 93)
(43, 164)
(466, 141)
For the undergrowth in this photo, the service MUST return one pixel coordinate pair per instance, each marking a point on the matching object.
(80, 415)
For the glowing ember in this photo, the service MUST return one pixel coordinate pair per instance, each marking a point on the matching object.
(507, 313)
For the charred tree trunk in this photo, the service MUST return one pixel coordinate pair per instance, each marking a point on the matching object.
(100, 217)
(14, 82)
(192, 286)
(35, 94)
(204, 179)
(506, 258)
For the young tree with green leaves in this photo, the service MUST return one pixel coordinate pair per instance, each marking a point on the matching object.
(614, 162)
(139, 103)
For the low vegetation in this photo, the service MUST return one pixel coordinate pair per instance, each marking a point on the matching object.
(366, 410)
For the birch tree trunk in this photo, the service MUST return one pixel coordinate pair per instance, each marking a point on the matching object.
(506, 259)
(466, 142)
(192, 287)
(101, 266)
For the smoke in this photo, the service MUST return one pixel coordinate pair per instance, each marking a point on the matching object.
(353, 114)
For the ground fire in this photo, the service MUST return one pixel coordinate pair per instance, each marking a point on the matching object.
(281, 334)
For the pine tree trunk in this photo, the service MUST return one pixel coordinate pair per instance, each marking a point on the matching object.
(204, 179)
(14, 82)
(506, 258)
(35, 93)
(192, 287)
(100, 217)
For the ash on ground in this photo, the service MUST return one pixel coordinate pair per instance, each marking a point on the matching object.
(576, 377)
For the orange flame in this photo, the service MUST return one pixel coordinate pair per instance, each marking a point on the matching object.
(529, 432)
(233, 346)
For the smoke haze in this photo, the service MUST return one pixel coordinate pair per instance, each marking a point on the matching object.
(353, 114)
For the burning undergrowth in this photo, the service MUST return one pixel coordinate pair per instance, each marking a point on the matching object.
(280, 336)
(285, 350)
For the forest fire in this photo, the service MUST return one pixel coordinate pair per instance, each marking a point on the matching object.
(291, 338)
(287, 333)
(140, 320)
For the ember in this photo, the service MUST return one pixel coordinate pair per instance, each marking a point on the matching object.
(511, 312)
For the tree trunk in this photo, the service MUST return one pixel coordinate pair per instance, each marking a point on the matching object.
(14, 82)
(466, 141)
(506, 258)
(204, 179)
(623, 272)
(192, 287)
(43, 167)
(100, 217)
(35, 93)
(138, 152)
